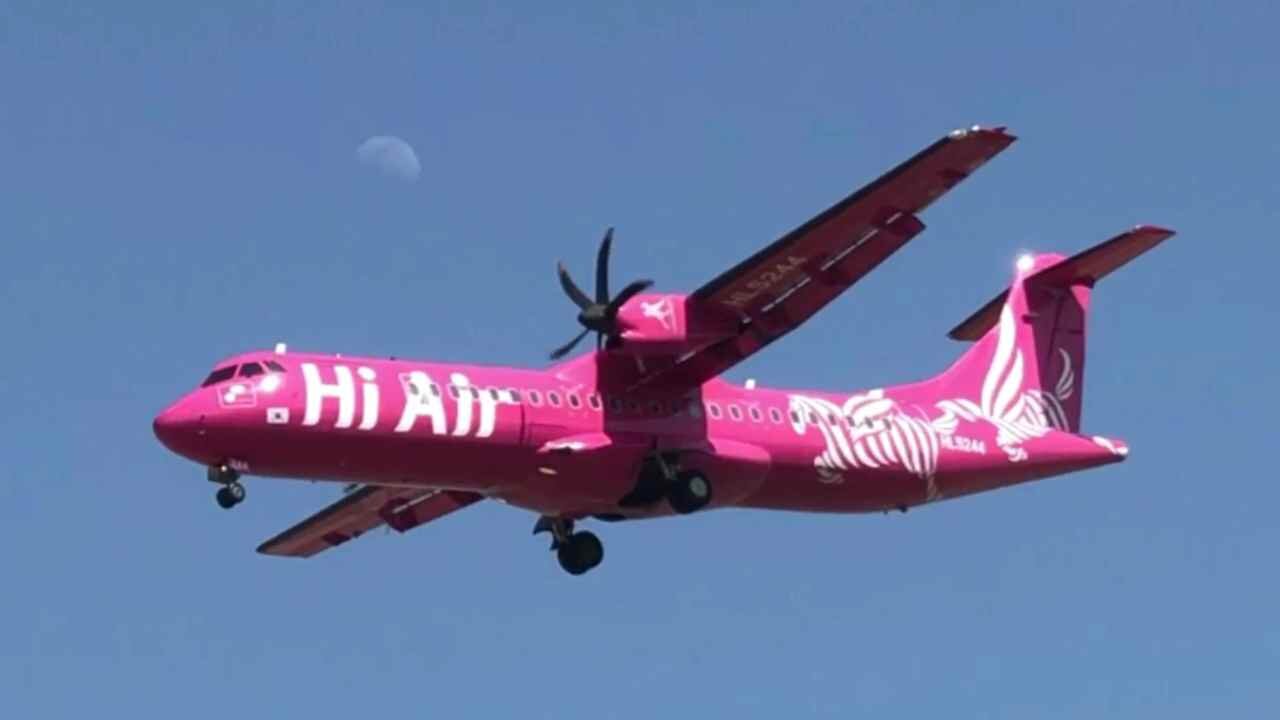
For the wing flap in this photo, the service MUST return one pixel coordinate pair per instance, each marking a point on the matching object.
(367, 508)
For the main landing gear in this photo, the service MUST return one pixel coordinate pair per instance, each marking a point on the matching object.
(687, 491)
(231, 493)
(577, 552)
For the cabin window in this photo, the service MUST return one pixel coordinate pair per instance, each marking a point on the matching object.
(754, 412)
(219, 375)
(535, 398)
(735, 413)
(251, 369)
(713, 410)
(575, 402)
(553, 398)
(615, 404)
(593, 400)
(775, 415)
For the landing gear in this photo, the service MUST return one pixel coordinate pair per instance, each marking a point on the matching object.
(231, 493)
(577, 552)
(690, 491)
(581, 552)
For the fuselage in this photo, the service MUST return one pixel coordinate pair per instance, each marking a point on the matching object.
(554, 442)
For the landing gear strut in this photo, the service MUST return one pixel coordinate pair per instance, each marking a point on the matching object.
(577, 552)
(231, 493)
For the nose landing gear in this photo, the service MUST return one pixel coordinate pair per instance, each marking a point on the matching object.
(577, 552)
(231, 493)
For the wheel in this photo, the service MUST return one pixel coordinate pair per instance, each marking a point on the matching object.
(581, 552)
(689, 493)
(227, 499)
(236, 490)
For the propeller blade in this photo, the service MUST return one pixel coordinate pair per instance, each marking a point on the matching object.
(602, 268)
(575, 294)
(627, 293)
(569, 346)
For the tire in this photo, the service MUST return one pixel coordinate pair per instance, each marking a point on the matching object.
(236, 490)
(690, 493)
(580, 553)
(226, 500)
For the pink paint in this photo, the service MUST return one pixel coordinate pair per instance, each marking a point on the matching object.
(608, 432)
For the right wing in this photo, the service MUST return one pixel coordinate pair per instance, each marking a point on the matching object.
(780, 287)
(368, 507)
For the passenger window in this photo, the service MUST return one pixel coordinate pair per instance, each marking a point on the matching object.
(695, 409)
(633, 407)
(795, 417)
(713, 410)
(433, 388)
(775, 415)
(655, 408)
(219, 375)
(813, 419)
(274, 366)
(514, 394)
(735, 412)
(553, 398)
(615, 404)
(535, 398)
(754, 412)
(594, 401)
(495, 395)
(574, 401)
(454, 392)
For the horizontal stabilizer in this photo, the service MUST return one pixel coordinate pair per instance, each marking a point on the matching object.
(1087, 267)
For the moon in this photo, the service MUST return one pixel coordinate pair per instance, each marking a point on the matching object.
(391, 156)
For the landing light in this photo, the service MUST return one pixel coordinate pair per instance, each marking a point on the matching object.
(1025, 262)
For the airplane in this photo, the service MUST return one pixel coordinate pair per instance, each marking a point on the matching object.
(644, 425)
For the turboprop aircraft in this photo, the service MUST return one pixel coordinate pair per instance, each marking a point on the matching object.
(644, 425)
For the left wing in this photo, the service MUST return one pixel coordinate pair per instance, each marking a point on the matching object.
(778, 288)
(365, 509)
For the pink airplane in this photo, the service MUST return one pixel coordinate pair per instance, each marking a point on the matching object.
(644, 426)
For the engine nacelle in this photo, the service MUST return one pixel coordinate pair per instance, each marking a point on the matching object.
(668, 325)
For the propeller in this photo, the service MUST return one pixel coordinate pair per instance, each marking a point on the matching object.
(601, 314)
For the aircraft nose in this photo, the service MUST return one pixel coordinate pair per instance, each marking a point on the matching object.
(180, 427)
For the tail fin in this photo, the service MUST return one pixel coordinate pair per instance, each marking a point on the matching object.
(1031, 338)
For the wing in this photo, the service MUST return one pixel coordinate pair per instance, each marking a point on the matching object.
(399, 508)
(778, 288)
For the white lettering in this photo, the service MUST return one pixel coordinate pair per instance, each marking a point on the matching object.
(464, 404)
(419, 401)
(317, 390)
(369, 415)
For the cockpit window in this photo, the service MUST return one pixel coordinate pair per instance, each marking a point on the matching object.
(217, 376)
(251, 369)
(274, 366)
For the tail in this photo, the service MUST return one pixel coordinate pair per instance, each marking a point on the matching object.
(1027, 365)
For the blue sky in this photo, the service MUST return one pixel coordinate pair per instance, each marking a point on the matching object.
(178, 185)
